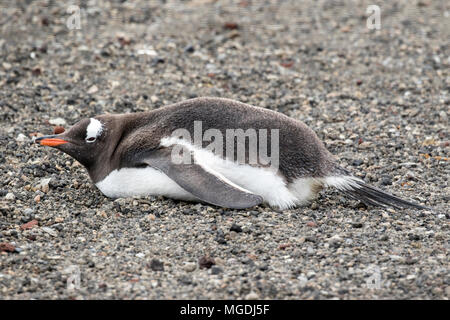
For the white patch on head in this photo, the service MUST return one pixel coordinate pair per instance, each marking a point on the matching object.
(93, 130)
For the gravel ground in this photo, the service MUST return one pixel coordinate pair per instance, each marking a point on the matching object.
(378, 98)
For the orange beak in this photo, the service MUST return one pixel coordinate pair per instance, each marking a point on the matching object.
(50, 141)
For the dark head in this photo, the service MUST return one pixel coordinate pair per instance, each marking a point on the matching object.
(85, 141)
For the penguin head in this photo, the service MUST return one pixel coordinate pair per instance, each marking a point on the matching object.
(85, 141)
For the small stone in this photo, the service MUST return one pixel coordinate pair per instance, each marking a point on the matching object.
(263, 267)
(414, 237)
(231, 25)
(7, 247)
(303, 280)
(10, 196)
(252, 296)
(189, 267)
(93, 89)
(236, 228)
(123, 40)
(311, 224)
(395, 257)
(29, 225)
(44, 185)
(21, 138)
(443, 117)
(386, 180)
(148, 51)
(36, 71)
(284, 246)
(447, 291)
(206, 262)
(437, 291)
(221, 57)
(158, 60)
(50, 231)
(28, 211)
(58, 130)
(140, 255)
(57, 122)
(102, 213)
(216, 270)
(220, 238)
(335, 241)
(37, 199)
(156, 265)
(189, 49)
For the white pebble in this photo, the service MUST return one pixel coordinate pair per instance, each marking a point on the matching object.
(10, 196)
(21, 138)
(252, 296)
(57, 122)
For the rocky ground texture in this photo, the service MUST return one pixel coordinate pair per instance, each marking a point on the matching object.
(379, 99)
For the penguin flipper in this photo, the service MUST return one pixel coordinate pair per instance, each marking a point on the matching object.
(200, 180)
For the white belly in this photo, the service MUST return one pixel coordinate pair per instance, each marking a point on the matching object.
(128, 182)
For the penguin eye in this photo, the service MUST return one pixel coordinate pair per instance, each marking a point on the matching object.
(90, 139)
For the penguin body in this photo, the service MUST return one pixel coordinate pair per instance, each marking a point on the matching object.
(204, 149)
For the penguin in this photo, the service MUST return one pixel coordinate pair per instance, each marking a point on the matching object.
(167, 152)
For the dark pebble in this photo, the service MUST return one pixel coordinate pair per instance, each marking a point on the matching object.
(185, 280)
(414, 237)
(236, 228)
(263, 267)
(386, 180)
(189, 49)
(156, 265)
(220, 237)
(206, 262)
(216, 270)
(158, 60)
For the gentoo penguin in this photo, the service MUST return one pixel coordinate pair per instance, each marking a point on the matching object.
(168, 152)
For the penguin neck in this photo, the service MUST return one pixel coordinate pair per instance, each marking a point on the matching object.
(120, 126)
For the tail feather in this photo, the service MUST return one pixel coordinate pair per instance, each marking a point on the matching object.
(359, 190)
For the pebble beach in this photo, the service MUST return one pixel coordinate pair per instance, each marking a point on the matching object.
(378, 98)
